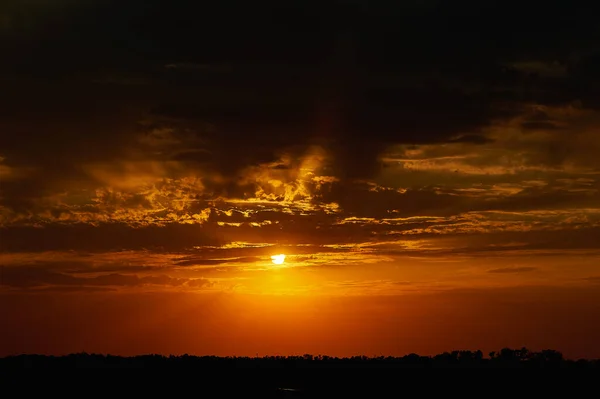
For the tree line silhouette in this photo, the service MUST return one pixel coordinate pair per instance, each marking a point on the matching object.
(465, 358)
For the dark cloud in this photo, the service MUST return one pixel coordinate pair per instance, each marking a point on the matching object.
(539, 125)
(110, 268)
(298, 73)
(220, 92)
(471, 138)
(106, 237)
(33, 277)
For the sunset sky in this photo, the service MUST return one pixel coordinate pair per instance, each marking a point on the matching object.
(429, 169)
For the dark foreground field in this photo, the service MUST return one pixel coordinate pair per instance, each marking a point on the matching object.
(290, 376)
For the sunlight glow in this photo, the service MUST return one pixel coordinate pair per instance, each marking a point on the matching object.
(278, 259)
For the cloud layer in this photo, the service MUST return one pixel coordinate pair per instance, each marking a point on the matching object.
(341, 140)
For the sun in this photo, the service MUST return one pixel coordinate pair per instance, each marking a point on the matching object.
(278, 259)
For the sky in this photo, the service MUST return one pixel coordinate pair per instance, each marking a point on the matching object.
(430, 169)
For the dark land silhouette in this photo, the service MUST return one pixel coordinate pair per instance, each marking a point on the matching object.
(505, 358)
(289, 376)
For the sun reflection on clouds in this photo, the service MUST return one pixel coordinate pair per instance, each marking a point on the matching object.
(290, 183)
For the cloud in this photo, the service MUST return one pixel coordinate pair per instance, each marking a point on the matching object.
(512, 270)
(37, 277)
(348, 134)
(593, 279)
(105, 237)
(197, 261)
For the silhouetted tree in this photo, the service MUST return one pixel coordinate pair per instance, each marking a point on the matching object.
(506, 357)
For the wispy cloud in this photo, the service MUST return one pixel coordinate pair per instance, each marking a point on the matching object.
(513, 270)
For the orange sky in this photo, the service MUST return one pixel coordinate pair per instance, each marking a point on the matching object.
(426, 200)
(229, 323)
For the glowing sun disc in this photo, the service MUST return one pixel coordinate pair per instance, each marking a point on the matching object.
(278, 259)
